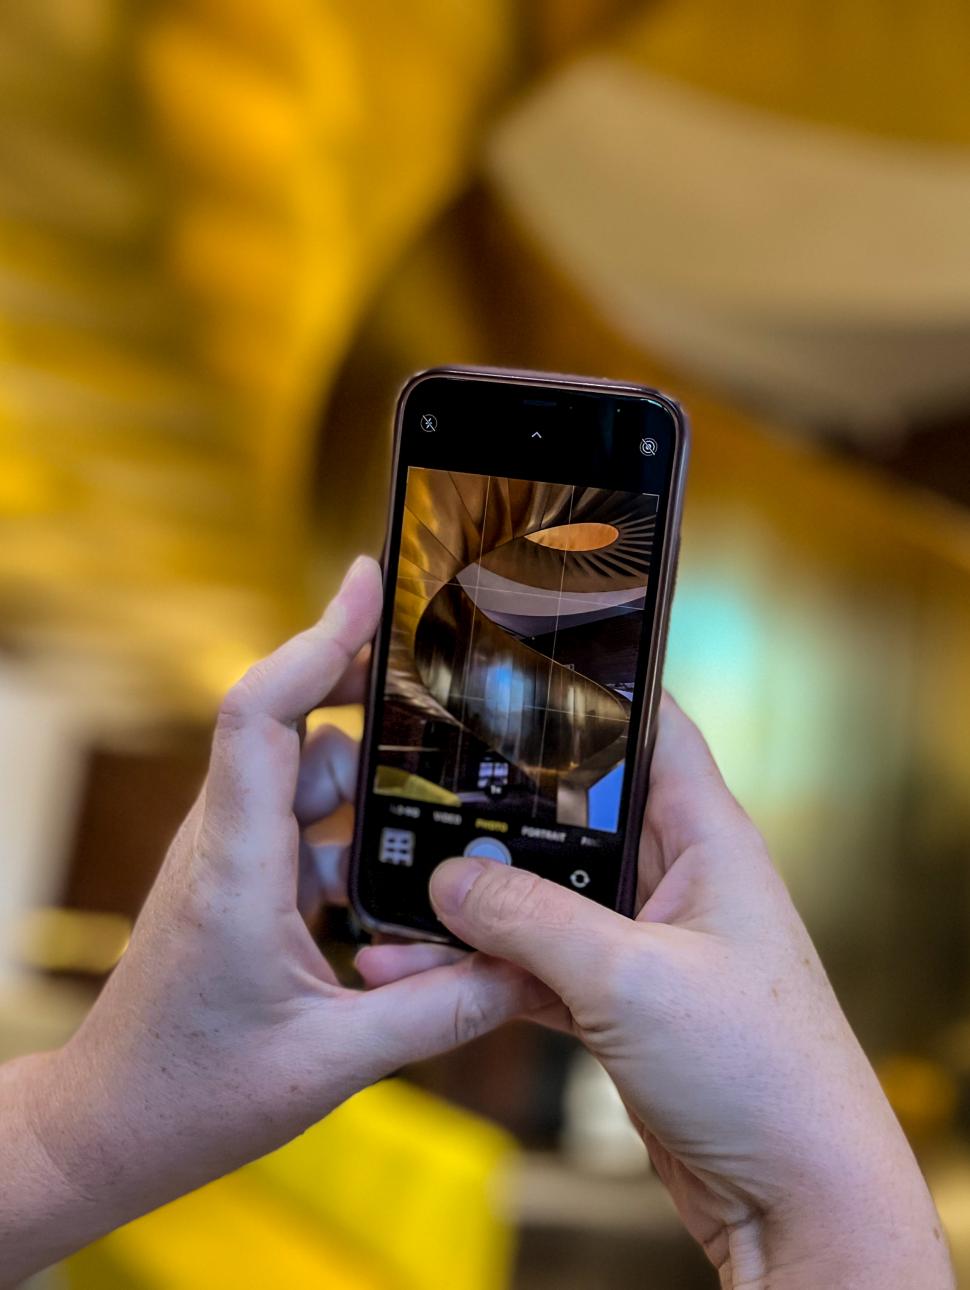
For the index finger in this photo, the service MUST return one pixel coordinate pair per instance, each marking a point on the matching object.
(688, 804)
(255, 749)
(301, 674)
(688, 800)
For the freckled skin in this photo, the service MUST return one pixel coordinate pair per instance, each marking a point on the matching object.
(223, 1032)
(715, 1018)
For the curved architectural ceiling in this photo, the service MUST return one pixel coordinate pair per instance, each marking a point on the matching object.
(474, 586)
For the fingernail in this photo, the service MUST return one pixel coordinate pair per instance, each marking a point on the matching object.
(352, 572)
(452, 881)
(336, 612)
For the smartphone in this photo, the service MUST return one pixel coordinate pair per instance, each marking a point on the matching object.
(528, 572)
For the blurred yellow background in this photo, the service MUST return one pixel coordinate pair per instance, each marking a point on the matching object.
(229, 229)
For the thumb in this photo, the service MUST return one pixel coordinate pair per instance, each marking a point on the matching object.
(560, 937)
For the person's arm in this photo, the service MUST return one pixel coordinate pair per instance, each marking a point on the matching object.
(714, 1017)
(223, 1032)
(37, 1198)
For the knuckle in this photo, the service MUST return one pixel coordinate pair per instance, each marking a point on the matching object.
(504, 896)
(335, 744)
(329, 763)
(470, 1018)
(239, 704)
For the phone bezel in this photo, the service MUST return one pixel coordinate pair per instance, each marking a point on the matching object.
(666, 574)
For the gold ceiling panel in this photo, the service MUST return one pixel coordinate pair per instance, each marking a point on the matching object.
(196, 201)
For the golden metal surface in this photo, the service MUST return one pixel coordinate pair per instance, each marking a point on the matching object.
(196, 202)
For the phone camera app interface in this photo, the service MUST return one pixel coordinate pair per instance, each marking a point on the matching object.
(517, 626)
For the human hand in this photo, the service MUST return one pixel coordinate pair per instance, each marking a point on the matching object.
(714, 1017)
(223, 1031)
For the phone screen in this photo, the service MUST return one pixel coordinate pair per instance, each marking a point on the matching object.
(508, 700)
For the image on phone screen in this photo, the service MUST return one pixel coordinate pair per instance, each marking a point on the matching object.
(509, 686)
(518, 613)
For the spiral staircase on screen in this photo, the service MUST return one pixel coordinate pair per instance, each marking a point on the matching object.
(487, 563)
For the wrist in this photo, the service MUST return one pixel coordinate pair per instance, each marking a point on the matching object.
(41, 1208)
(886, 1238)
(66, 1121)
(855, 1213)
(85, 1163)
(39, 1085)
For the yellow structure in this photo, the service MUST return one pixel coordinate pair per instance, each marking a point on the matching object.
(393, 1191)
(898, 70)
(198, 201)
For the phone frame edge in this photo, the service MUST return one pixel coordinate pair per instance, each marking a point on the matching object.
(667, 574)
